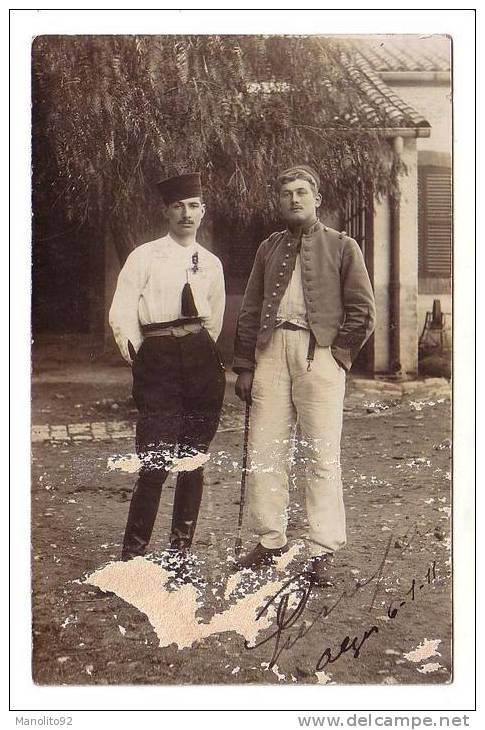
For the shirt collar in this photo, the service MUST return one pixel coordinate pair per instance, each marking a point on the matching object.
(181, 249)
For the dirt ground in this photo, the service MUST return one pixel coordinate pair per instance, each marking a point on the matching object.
(394, 574)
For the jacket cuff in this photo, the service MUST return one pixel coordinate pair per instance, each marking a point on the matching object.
(240, 364)
(343, 356)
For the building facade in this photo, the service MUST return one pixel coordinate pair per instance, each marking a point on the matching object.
(418, 71)
(404, 85)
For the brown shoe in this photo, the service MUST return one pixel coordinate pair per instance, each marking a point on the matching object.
(318, 570)
(260, 556)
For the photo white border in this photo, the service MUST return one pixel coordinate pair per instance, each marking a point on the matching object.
(26, 24)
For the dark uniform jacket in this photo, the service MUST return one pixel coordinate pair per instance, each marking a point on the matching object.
(338, 294)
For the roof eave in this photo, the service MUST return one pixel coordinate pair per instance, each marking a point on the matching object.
(413, 77)
(385, 131)
(406, 131)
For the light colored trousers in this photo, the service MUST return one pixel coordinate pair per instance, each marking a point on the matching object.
(285, 394)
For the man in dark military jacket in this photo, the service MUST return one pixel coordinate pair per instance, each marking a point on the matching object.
(307, 311)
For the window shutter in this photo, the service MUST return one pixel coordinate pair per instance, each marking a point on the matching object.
(435, 221)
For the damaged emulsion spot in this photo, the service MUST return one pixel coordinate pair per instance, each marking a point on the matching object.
(283, 561)
(323, 677)
(173, 613)
(274, 668)
(430, 667)
(232, 583)
(131, 463)
(425, 650)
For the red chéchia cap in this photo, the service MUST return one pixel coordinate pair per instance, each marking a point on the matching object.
(295, 169)
(181, 187)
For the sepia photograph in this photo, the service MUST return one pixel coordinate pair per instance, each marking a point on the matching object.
(242, 345)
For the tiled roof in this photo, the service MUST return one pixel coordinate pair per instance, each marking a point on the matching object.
(380, 106)
(375, 105)
(385, 53)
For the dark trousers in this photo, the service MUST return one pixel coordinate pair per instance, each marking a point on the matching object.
(178, 388)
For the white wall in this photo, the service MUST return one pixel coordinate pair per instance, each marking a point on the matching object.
(433, 101)
(382, 249)
(409, 259)
(408, 263)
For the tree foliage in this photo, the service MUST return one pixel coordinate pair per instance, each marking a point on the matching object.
(114, 114)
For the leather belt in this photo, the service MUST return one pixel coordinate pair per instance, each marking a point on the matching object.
(290, 326)
(176, 328)
(311, 342)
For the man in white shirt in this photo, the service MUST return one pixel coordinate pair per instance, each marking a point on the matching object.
(166, 315)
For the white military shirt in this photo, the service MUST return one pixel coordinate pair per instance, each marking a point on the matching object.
(292, 306)
(150, 284)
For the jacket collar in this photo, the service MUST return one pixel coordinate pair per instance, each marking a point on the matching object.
(313, 228)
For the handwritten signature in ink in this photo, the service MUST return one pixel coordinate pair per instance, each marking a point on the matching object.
(291, 601)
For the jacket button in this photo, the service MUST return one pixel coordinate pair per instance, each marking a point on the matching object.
(281, 273)
(274, 294)
(287, 255)
(267, 316)
(277, 286)
(283, 264)
(265, 326)
(270, 305)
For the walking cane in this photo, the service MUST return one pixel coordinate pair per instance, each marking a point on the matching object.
(238, 545)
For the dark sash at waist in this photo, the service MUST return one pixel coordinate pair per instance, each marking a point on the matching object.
(157, 326)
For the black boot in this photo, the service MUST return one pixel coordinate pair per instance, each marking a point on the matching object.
(142, 514)
(186, 505)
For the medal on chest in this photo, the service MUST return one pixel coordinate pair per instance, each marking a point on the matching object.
(189, 308)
